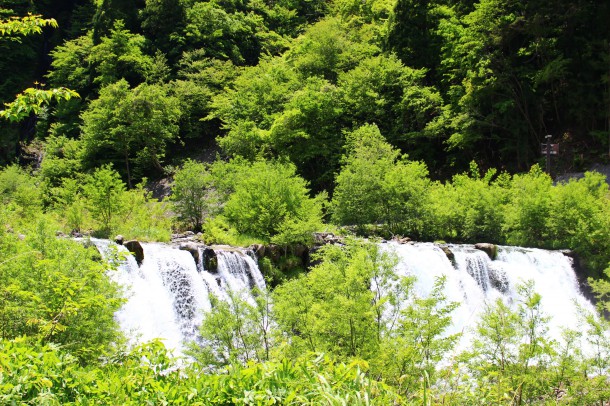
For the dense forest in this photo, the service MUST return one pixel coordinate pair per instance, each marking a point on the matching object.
(269, 121)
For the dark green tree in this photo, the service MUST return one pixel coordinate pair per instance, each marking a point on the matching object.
(130, 126)
(192, 194)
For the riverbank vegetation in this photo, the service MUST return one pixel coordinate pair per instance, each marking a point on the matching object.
(272, 120)
(350, 331)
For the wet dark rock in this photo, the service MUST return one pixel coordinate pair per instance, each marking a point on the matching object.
(582, 276)
(490, 249)
(136, 249)
(192, 248)
(210, 260)
(300, 250)
(273, 252)
(184, 237)
(450, 255)
(258, 249)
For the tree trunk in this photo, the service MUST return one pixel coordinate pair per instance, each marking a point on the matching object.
(127, 169)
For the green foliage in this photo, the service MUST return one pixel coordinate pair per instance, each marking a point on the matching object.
(332, 309)
(511, 355)
(235, 330)
(67, 66)
(119, 56)
(100, 203)
(479, 205)
(30, 24)
(601, 288)
(143, 217)
(317, 381)
(33, 101)
(328, 48)
(227, 33)
(458, 80)
(162, 21)
(579, 218)
(358, 196)
(36, 372)
(20, 192)
(306, 131)
(103, 191)
(383, 91)
(512, 75)
(527, 214)
(200, 79)
(130, 126)
(61, 161)
(56, 290)
(249, 107)
(272, 203)
(331, 81)
(192, 195)
(377, 185)
(413, 349)
(147, 374)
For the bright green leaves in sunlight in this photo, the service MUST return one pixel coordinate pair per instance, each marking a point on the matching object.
(263, 201)
(272, 202)
(104, 190)
(377, 185)
(413, 350)
(33, 101)
(30, 24)
(235, 330)
(193, 194)
(511, 356)
(120, 56)
(130, 127)
(20, 192)
(55, 290)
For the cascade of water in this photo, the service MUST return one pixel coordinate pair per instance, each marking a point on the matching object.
(168, 294)
(239, 270)
(476, 281)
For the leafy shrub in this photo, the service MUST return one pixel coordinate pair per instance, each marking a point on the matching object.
(270, 202)
(20, 192)
(192, 193)
(529, 209)
(580, 219)
(56, 290)
(377, 185)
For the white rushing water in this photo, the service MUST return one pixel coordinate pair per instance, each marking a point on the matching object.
(168, 293)
(475, 281)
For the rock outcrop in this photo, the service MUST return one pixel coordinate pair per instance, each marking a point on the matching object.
(490, 249)
(192, 248)
(136, 249)
(210, 261)
(450, 255)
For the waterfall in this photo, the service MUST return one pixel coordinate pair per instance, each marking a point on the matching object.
(475, 281)
(168, 293)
